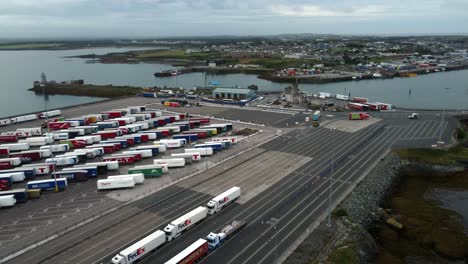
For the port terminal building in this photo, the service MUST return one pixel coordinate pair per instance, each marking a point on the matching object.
(233, 93)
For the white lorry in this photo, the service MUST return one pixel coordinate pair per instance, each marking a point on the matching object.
(176, 227)
(140, 248)
(107, 184)
(216, 239)
(222, 200)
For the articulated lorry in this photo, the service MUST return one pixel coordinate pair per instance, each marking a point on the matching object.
(217, 239)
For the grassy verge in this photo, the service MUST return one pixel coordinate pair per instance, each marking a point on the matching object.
(435, 156)
(344, 255)
(27, 46)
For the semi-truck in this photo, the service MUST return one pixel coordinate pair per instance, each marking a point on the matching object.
(217, 239)
(176, 227)
(358, 116)
(222, 200)
(140, 248)
(192, 254)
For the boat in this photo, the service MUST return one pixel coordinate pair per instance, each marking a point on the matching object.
(408, 74)
(377, 75)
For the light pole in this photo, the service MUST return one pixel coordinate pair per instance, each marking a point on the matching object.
(331, 184)
(46, 116)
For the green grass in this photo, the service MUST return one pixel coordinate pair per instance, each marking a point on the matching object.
(344, 255)
(30, 46)
(435, 156)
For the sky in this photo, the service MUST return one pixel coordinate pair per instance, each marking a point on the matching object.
(162, 18)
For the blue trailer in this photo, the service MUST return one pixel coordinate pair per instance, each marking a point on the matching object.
(187, 137)
(224, 144)
(152, 95)
(123, 143)
(48, 185)
(91, 171)
(21, 195)
(72, 175)
(215, 146)
(154, 149)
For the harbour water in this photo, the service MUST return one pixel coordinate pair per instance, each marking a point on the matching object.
(18, 70)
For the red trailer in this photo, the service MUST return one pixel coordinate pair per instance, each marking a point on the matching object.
(385, 107)
(360, 100)
(144, 138)
(373, 106)
(181, 116)
(358, 106)
(192, 254)
(161, 121)
(124, 130)
(113, 114)
(8, 138)
(78, 143)
(200, 135)
(201, 120)
(28, 155)
(5, 184)
(58, 125)
(106, 134)
(108, 148)
(4, 152)
(5, 165)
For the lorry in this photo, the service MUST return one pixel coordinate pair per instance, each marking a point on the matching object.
(358, 116)
(192, 254)
(414, 116)
(222, 200)
(217, 239)
(138, 250)
(176, 227)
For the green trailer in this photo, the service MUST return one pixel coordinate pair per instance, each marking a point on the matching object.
(147, 171)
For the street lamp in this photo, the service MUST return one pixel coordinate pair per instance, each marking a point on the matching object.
(48, 135)
(331, 183)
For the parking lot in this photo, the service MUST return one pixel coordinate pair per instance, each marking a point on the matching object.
(54, 212)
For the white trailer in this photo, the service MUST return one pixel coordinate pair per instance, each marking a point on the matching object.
(145, 153)
(196, 156)
(15, 176)
(7, 200)
(37, 141)
(39, 168)
(139, 178)
(45, 153)
(57, 148)
(140, 248)
(111, 165)
(16, 146)
(233, 140)
(202, 151)
(171, 163)
(51, 113)
(172, 143)
(57, 135)
(107, 184)
(222, 200)
(162, 148)
(32, 131)
(63, 161)
(176, 227)
(24, 118)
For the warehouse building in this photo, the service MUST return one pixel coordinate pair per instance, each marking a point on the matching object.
(234, 93)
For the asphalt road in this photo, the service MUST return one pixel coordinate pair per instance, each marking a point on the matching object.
(277, 214)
